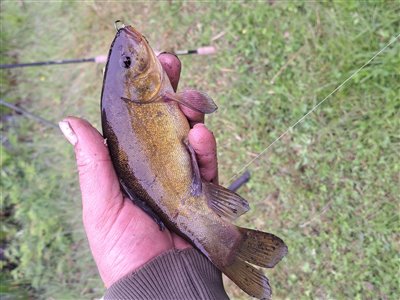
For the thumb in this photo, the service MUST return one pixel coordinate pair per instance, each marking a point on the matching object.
(101, 194)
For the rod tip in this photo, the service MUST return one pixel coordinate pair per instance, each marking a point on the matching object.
(209, 50)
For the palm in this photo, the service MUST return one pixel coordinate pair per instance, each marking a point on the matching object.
(126, 239)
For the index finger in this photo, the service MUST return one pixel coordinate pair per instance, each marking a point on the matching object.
(172, 66)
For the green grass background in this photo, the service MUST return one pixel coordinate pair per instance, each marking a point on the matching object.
(329, 188)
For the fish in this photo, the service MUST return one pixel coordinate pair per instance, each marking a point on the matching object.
(147, 137)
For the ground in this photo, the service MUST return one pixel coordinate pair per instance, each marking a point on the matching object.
(329, 187)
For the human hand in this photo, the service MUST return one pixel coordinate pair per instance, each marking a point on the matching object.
(121, 236)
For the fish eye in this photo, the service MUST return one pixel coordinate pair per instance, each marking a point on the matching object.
(126, 61)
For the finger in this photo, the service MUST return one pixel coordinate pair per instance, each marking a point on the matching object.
(193, 116)
(172, 66)
(97, 178)
(203, 142)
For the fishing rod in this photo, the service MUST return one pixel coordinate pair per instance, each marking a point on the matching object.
(244, 178)
(102, 59)
(96, 59)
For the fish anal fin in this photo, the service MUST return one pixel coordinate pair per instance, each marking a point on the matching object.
(224, 202)
(193, 99)
(261, 248)
(249, 279)
(196, 187)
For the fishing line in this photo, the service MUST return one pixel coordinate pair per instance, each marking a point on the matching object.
(313, 109)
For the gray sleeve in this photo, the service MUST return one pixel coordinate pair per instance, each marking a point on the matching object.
(175, 274)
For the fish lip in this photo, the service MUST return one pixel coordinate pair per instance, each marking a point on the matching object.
(132, 32)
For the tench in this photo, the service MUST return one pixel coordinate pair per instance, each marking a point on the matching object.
(147, 134)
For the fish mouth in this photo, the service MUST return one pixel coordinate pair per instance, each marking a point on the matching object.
(132, 32)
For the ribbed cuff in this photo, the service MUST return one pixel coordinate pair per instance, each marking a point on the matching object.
(175, 274)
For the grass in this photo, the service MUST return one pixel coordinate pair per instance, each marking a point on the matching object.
(329, 187)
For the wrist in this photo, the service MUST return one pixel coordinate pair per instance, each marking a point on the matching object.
(175, 274)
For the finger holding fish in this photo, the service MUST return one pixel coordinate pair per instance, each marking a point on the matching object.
(205, 146)
(193, 116)
(172, 66)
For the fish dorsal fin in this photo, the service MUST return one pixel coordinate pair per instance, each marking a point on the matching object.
(224, 202)
(193, 99)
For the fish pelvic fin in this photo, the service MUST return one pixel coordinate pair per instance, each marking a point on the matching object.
(197, 185)
(261, 248)
(249, 279)
(225, 203)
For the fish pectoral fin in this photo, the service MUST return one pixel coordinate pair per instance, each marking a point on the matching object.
(225, 203)
(143, 205)
(248, 278)
(197, 184)
(193, 99)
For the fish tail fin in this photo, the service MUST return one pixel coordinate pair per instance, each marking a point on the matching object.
(261, 248)
(249, 279)
(257, 248)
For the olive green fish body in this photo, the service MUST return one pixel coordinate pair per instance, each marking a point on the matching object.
(147, 138)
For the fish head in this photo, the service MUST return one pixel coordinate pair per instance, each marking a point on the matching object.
(132, 51)
(133, 68)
